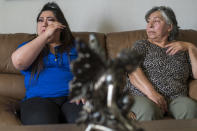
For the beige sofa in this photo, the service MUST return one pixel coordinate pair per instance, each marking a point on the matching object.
(12, 88)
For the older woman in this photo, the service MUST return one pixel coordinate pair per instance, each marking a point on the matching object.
(160, 84)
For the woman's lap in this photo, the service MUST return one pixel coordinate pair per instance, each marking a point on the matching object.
(48, 111)
(179, 108)
(70, 111)
(183, 108)
(145, 109)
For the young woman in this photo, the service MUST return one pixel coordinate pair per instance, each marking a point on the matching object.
(44, 61)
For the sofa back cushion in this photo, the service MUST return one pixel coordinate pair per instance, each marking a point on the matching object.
(9, 43)
(188, 35)
(116, 41)
(11, 81)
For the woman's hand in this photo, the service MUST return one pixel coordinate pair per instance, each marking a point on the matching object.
(159, 100)
(78, 101)
(140, 81)
(52, 28)
(177, 46)
(24, 56)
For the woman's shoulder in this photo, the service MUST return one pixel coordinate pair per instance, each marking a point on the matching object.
(143, 42)
(140, 43)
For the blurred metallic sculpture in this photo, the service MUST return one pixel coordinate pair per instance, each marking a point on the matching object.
(99, 80)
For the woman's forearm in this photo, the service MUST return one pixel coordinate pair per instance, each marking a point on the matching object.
(140, 81)
(24, 56)
(193, 57)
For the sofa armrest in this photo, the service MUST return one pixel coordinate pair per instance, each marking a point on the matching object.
(8, 108)
(193, 89)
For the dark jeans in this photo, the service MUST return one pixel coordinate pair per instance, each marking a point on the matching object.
(49, 111)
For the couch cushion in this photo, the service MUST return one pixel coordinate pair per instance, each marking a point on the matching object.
(8, 111)
(11, 82)
(9, 43)
(188, 35)
(193, 89)
(12, 85)
(116, 41)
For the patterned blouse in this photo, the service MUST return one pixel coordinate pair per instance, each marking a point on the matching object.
(168, 74)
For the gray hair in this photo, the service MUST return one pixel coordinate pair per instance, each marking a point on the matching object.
(170, 18)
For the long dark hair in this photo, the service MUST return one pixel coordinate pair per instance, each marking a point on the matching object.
(170, 18)
(66, 37)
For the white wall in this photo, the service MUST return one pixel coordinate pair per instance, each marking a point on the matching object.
(93, 15)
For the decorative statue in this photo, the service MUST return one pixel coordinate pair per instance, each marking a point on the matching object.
(101, 81)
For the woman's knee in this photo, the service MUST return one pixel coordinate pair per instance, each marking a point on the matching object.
(39, 118)
(145, 109)
(71, 111)
(39, 111)
(183, 108)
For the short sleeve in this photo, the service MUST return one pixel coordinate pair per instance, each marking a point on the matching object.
(24, 43)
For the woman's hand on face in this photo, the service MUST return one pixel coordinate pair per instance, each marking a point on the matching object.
(78, 101)
(52, 28)
(159, 100)
(177, 46)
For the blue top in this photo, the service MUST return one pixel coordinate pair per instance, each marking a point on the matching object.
(53, 80)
